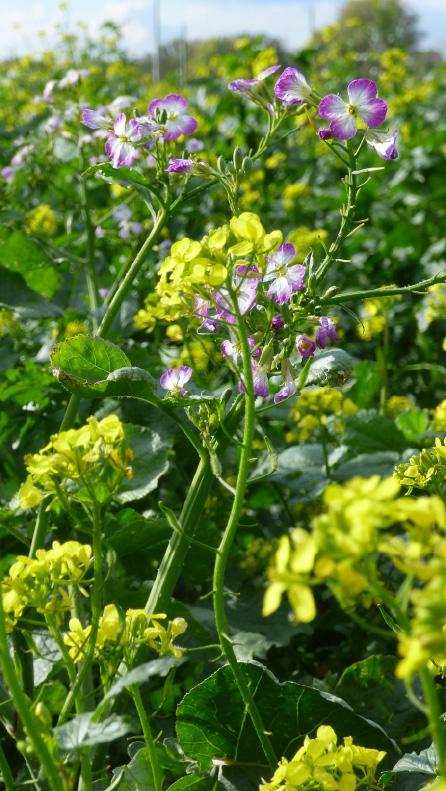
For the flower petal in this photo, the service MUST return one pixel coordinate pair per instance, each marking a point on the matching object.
(361, 92)
(343, 128)
(280, 290)
(291, 87)
(332, 106)
(374, 113)
(242, 86)
(119, 124)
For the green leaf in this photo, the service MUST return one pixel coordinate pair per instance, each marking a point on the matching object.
(413, 424)
(425, 762)
(331, 367)
(371, 688)
(83, 363)
(141, 674)
(130, 532)
(94, 367)
(81, 731)
(366, 464)
(369, 432)
(212, 721)
(124, 176)
(20, 254)
(149, 464)
(194, 783)
(136, 776)
(366, 385)
(17, 295)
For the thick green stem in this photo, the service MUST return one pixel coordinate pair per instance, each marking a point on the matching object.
(22, 704)
(222, 558)
(436, 724)
(386, 291)
(6, 774)
(90, 272)
(148, 739)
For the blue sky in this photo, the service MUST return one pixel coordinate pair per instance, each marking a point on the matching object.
(289, 20)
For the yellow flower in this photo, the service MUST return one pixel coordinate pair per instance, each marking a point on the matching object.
(289, 571)
(397, 404)
(439, 415)
(322, 764)
(41, 220)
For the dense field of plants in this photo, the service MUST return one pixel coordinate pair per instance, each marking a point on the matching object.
(223, 411)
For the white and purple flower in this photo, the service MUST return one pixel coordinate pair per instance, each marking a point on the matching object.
(384, 143)
(288, 387)
(363, 104)
(305, 346)
(180, 165)
(259, 380)
(232, 348)
(120, 145)
(325, 331)
(174, 379)
(170, 113)
(127, 226)
(284, 278)
(96, 119)
(247, 85)
(245, 282)
(292, 88)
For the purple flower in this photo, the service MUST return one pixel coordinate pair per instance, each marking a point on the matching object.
(292, 88)
(201, 308)
(325, 134)
(289, 386)
(193, 145)
(259, 380)
(72, 77)
(99, 233)
(384, 143)
(174, 379)
(180, 165)
(127, 227)
(277, 323)
(246, 85)
(96, 119)
(103, 292)
(232, 348)
(120, 144)
(177, 122)
(305, 346)
(245, 282)
(284, 278)
(8, 173)
(325, 331)
(363, 104)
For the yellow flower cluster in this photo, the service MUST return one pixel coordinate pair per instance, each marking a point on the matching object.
(433, 306)
(292, 193)
(257, 554)
(199, 268)
(41, 220)
(304, 239)
(397, 404)
(118, 631)
(42, 582)
(374, 316)
(425, 471)
(343, 550)
(325, 765)
(312, 410)
(439, 416)
(91, 455)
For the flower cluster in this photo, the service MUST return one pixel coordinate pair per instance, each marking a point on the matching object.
(321, 763)
(120, 632)
(343, 547)
(166, 121)
(77, 463)
(427, 470)
(43, 582)
(319, 409)
(374, 316)
(240, 270)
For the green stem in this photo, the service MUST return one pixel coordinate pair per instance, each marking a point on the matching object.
(22, 704)
(6, 774)
(355, 296)
(96, 610)
(148, 739)
(90, 272)
(436, 724)
(222, 558)
(347, 214)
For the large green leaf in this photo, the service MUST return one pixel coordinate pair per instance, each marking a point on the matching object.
(193, 783)
(130, 532)
(331, 367)
(136, 775)
(82, 731)
(371, 687)
(212, 721)
(16, 294)
(368, 432)
(149, 464)
(20, 254)
(141, 674)
(94, 367)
